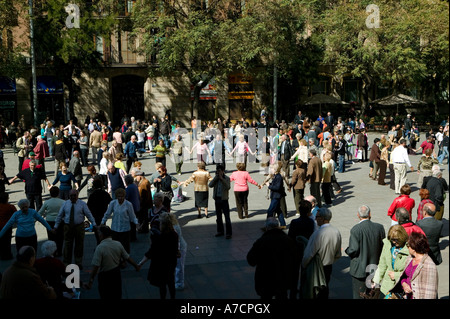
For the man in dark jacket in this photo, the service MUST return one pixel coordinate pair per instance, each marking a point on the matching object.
(364, 249)
(437, 186)
(432, 229)
(284, 154)
(274, 255)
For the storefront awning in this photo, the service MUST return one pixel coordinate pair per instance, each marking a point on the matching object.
(7, 85)
(49, 85)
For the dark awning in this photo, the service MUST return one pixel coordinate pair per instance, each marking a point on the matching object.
(49, 85)
(7, 85)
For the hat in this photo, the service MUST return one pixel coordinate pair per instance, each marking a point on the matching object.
(31, 154)
(139, 173)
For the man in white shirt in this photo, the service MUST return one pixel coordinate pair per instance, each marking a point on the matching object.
(439, 138)
(400, 159)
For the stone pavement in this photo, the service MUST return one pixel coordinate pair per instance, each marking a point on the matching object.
(216, 268)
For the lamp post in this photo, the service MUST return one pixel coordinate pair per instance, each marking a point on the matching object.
(33, 63)
(275, 91)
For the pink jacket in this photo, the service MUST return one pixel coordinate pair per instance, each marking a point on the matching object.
(241, 178)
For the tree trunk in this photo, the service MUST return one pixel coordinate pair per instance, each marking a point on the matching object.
(198, 86)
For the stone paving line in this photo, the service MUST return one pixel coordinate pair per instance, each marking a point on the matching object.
(216, 268)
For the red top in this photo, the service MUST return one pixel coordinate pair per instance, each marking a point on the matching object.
(411, 227)
(401, 201)
(426, 145)
(240, 179)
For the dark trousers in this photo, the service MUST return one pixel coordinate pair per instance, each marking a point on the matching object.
(178, 167)
(35, 201)
(161, 160)
(324, 293)
(142, 217)
(84, 156)
(57, 237)
(241, 203)
(275, 208)
(123, 238)
(130, 161)
(298, 197)
(73, 242)
(26, 241)
(315, 191)
(21, 160)
(326, 191)
(223, 208)
(382, 169)
(391, 177)
(285, 166)
(110, 284)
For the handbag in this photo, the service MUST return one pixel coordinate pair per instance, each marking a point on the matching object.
(359, 154)
(372, 293)
(396, 295)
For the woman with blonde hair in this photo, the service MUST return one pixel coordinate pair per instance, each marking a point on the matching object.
(201, 178)
(326, 179)
(118, 162)
(392, 260)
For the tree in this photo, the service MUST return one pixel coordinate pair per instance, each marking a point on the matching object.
(279, 31)
(12, 62)
(68, 51)
(206, 39)
(393, 54)
(200, 40)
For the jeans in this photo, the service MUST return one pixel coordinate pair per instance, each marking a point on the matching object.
(275, 207)
(341, 163)
(50, 147)
(443, 154)
(84, 156)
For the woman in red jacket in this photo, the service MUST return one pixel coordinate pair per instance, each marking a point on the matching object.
(402, 201)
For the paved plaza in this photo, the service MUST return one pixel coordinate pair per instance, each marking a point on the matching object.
(216, 268)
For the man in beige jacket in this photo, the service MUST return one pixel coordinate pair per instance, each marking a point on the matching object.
(95, 142)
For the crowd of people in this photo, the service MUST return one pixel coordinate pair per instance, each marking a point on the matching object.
(319, 150)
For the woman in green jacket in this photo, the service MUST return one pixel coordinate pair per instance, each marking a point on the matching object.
(392, 260)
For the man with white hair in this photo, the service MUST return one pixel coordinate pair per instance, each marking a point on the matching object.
(41, 150)
(433, 230)
(51, 269)
(437, 186)
(326, 243)
(364, 249)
